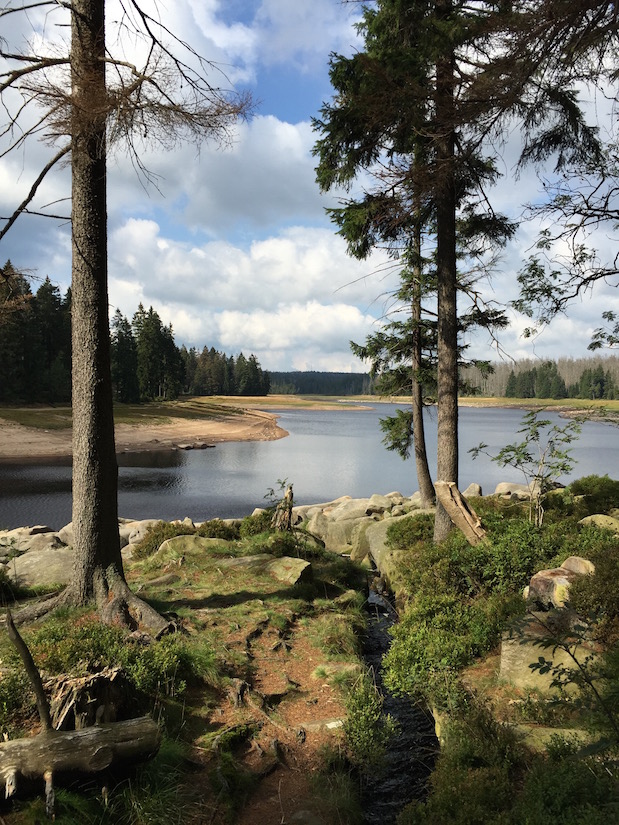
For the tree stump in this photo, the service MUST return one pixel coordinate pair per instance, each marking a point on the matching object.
(282, 518)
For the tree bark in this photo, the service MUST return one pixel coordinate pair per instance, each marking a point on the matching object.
(424, 479)
(98, 562)
(85, 751)
(447, 464)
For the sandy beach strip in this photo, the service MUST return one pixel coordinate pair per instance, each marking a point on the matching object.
(19, 443)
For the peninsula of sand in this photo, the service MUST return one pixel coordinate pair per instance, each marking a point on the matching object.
(20, 443)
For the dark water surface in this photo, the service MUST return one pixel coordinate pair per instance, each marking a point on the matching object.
(327, 454)
(410, 754)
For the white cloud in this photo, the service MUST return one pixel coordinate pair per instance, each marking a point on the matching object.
(305, 33)
(232, 245)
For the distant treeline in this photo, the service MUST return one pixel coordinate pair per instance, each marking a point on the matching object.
(321, 383)
(592, 378)
(35, 353)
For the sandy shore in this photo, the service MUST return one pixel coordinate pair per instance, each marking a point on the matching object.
(18, 443)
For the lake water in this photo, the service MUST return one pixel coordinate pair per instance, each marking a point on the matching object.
(327, 454)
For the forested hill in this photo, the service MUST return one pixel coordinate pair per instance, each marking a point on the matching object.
(593, 377)
(320, 383)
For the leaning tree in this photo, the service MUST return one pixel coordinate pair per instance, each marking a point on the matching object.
(82, 96)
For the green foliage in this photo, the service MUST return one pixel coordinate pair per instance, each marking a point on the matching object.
(505, 562)
(543, 456)
(16, 698)
(406, 532)
(80, 644)
(156, 535)
(158, 793)
(366, 728)
(462, 596)
(600, 493)
(483, 777)
(597, 595)
(473, 778)
(439, 633)
(255, 524)
(543, 381)
(568, 791)
(218, 529)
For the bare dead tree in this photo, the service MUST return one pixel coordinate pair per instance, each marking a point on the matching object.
(82, 97)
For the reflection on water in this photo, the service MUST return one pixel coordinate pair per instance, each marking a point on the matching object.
(154, 459)
(327, 454)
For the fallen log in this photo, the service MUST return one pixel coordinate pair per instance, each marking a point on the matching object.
(86, 751)
(89, 750)
(459, 511)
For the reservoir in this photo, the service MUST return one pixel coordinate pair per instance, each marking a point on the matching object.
(327, 454)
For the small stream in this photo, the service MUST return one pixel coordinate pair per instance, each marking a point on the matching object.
(410, 754)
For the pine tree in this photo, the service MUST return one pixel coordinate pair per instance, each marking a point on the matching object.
(124, 361)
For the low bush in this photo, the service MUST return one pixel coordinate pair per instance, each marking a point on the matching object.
(406, 532)
(81, 644)
(256, 524)
(599, 494)
(367, 729)
(473, 779)
(156, 535)
(218, 529)
(596, 597)
(439, 633)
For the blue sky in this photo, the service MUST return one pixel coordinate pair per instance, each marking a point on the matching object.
(233, 246)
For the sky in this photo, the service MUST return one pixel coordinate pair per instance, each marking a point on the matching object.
(231, 244)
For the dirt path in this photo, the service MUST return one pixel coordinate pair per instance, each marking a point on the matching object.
(19, 443)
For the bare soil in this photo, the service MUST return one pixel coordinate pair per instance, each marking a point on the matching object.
(27, 443)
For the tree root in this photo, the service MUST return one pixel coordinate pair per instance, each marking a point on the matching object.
(121, 607)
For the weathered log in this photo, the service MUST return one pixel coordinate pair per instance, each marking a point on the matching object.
(89, 750)
(81, 701)
(460, 512)
(78, 751)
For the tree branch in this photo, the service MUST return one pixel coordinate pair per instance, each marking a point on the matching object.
(32, 671)
(33, 189)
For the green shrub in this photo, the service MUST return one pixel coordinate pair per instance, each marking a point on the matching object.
(597, 596)
(472, 783)
(83, 644)
(366, 728)
(156, 535)
(567, 790)
(218, 529)
(406, 532)
(600, 494)
(256, 524)
(16, 698)
(510, 556)
(440, 633)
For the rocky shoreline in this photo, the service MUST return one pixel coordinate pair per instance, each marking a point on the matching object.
(353, 527)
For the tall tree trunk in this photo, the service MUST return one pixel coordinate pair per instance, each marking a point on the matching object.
(447, 464)
(98, 570)
(95, 472)
(424, 479)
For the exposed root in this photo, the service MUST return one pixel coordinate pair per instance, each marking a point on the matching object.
(121, 607)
